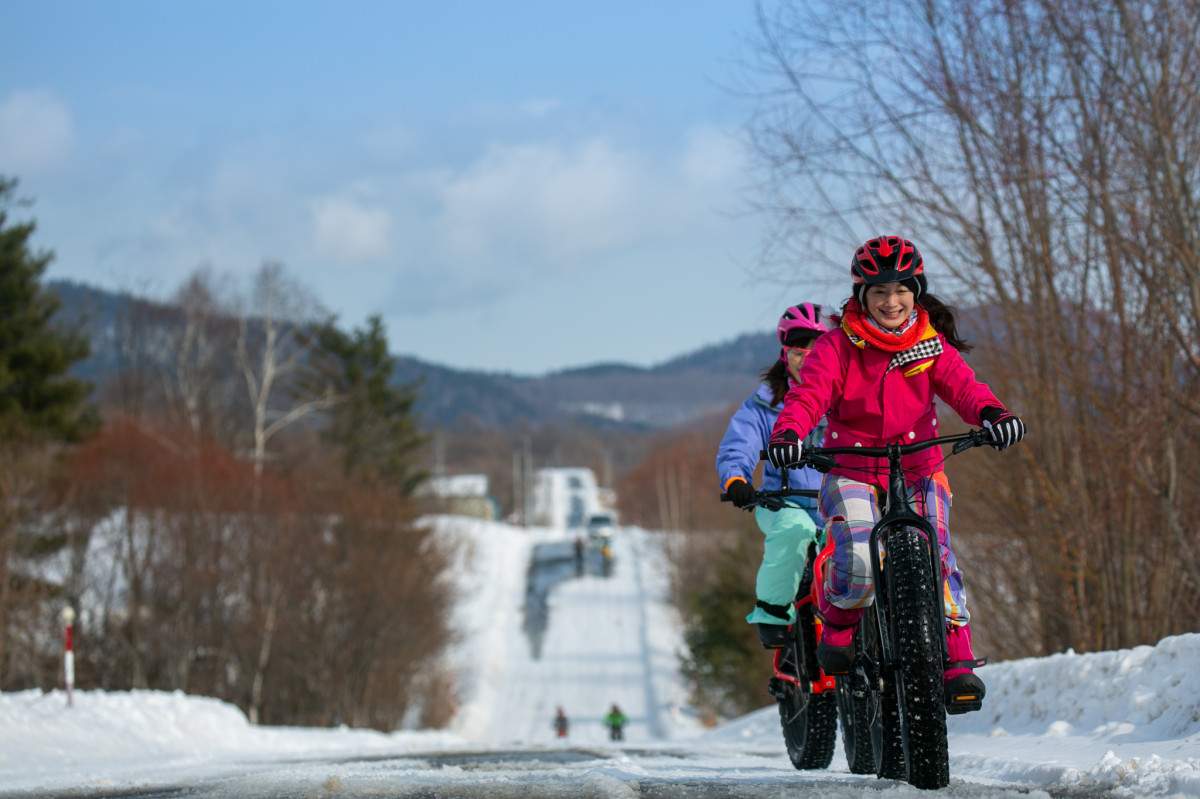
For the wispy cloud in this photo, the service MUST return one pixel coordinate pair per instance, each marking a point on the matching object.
(349, 231)
(36, 131)
(539, 108)
(429, 225)
(539, 211)
(712, 157)
(542, 204)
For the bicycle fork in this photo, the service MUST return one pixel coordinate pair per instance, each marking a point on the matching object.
(895, 515)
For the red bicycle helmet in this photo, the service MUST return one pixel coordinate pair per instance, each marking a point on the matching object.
(888, 259)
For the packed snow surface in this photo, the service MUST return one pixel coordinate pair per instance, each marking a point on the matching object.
(1124, 723)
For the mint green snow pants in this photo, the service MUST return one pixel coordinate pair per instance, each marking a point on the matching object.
(788, 533)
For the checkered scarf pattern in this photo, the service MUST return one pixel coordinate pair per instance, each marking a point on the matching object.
(927, 348)
(862, 331)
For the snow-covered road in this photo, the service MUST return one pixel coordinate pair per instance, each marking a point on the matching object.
(597, 651)
(1121, 724)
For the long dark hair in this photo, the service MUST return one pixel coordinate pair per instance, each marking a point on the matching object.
(776, 377)
(943, 317)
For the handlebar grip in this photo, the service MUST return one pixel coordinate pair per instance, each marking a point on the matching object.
(822, 463)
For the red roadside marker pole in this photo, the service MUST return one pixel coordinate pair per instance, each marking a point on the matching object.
(68, 617)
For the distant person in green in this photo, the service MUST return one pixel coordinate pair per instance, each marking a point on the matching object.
(615, 721)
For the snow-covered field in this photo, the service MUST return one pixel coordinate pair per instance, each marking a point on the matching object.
(1121, 723)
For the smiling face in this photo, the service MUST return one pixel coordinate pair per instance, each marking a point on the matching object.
(890, 304)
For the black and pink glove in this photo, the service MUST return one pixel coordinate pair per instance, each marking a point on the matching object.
(784, 450)
(1006, 429)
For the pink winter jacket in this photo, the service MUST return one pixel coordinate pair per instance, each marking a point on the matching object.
(869, 405)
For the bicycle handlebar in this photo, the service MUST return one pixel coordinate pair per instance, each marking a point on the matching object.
(777, 499)
(820, 458)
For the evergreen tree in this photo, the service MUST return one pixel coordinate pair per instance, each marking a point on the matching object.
(724, 661)
(39, 404)
(37, 397)
(375, 424)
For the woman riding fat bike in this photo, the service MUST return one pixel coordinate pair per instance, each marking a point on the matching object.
(805, 697)
(788, 526)
(893, 702)
(876, 379)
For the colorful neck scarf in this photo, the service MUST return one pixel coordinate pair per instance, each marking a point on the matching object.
(859, 325)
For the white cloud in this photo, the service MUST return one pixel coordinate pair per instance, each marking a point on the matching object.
(713, 157)
(36, 132)
(543, 203)
(349, 231)
(560, 205)
(539, 109)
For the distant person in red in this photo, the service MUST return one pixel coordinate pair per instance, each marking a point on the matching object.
(561, 724)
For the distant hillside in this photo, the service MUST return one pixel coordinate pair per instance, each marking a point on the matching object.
(683, 389)
(707, 381)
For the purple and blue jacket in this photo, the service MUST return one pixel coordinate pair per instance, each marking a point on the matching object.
(747, 435)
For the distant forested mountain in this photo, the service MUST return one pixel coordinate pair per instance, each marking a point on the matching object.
(617, 396)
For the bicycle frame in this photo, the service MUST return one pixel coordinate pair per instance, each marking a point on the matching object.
(898, 510)
(777, 500)
(806, 698)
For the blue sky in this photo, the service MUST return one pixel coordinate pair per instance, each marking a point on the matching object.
(521, 187)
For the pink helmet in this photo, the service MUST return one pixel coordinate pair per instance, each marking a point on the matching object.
(800, 322)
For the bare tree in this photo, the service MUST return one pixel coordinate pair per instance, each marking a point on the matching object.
(194, 339)
(274, 345)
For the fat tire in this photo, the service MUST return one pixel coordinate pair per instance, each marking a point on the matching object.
(882, 706)
(809, 720)
(809, 724)
(854, 710)
(918, 621)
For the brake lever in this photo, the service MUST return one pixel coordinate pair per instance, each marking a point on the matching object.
(821, 463)
(978, 439)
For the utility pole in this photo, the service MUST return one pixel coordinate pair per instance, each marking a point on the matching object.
(528, 481)
(518, 488)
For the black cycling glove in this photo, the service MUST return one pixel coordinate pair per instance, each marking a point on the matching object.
(1006, 428)
(741, 493)
(784, 449)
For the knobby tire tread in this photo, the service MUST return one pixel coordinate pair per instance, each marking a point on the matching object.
(810, 735)
(809, 720)
(919, 621)
(855, 713)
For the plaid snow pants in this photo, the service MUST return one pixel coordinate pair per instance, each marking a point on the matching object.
(851, 509)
